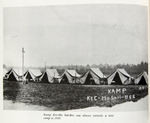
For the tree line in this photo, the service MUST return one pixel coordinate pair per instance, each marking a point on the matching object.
(107, 69)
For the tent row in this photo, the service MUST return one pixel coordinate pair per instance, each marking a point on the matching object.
(121, 77)
(93, 76)
(17, 75)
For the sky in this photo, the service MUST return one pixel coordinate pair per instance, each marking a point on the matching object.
(76, 34)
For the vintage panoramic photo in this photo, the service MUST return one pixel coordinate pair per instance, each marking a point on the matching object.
(89, 57)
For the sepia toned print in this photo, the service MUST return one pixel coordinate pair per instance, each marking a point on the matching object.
(76, 57)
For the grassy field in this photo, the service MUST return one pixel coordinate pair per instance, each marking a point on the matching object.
(66, 97)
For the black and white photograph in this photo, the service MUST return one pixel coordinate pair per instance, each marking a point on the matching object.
(81, 57)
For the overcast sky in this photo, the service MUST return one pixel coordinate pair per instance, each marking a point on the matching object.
(75, 34)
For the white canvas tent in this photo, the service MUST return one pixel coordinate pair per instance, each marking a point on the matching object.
(92, 77)
(50, 75)
(35, 73)
(29, 76)
(73, 73)
(11, 75)
(18, 71)
(69, 77)
(119, 77)
(53, 73)
(142, 79)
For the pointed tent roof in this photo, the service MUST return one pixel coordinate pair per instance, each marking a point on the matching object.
(95, 73)
(53, 73)
(50, 74)
(123, 71)
(98, 72)
(18, 71)
(12, 72)
(35, 72)
(30, 73)
(139, 78)
(4, 71)
(73, 73)
(123, 76)
(70, 74)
